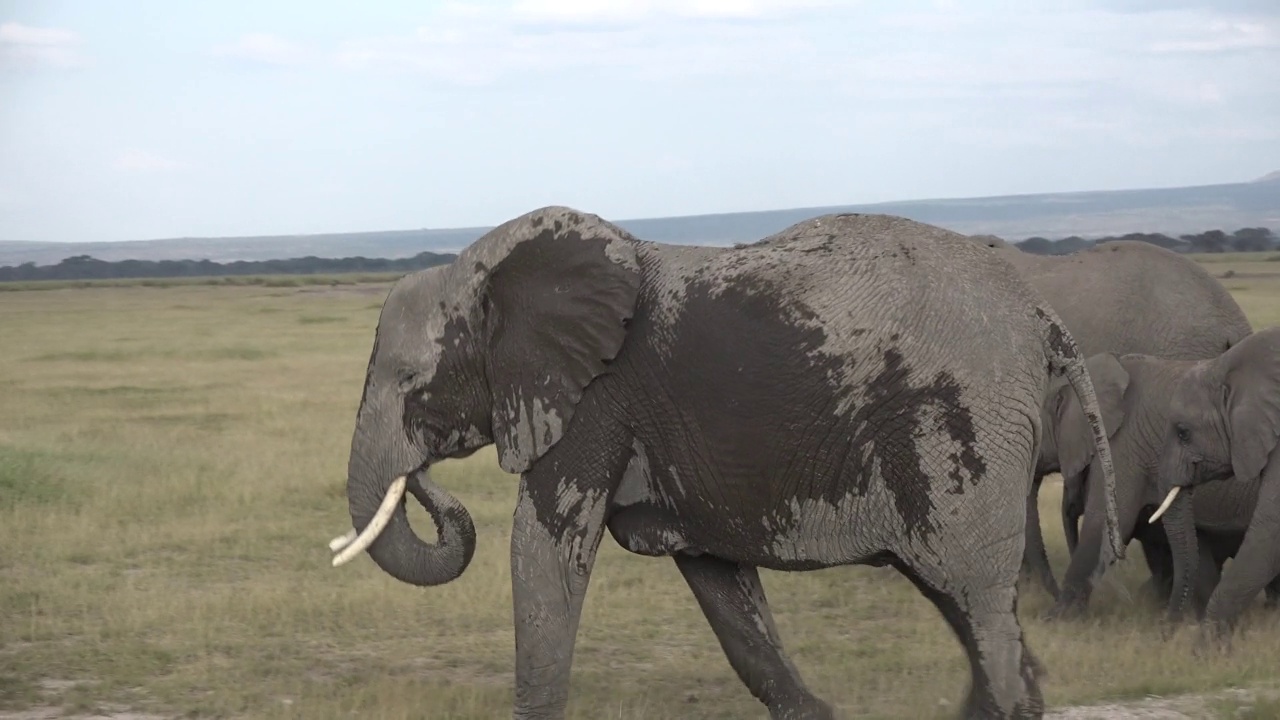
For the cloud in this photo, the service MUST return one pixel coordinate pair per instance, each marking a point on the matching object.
(1228, 7)
(666, 39)
(32, 46)
(265, 49)
(639, 11)
(935, 65)
(134, 160)
(1222, 36)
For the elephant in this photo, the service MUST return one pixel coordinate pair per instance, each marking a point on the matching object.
(854, 389)
(1122, 297)
(1133, 393)
(1223, 428)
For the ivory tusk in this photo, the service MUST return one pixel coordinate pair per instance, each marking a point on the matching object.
(375, 526)
(1165, 505)
(342, 541)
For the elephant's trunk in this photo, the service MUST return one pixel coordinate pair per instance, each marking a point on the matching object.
(378, 515)
(1180, 528)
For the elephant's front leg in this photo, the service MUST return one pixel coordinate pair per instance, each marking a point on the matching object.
(556, 532)
(1035, 557)
(733, 600)
(1255, 565)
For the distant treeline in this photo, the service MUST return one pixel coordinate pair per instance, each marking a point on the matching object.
(1254, 239)
(84, 267)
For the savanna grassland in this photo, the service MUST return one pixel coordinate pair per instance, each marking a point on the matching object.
(172, 465)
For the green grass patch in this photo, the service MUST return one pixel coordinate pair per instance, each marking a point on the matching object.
(236, 353)
(221, 280)
(26, 478)
(87, 356)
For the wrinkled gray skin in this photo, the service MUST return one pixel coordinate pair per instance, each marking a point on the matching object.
(1134, 393)
(856, 389)
(1223, 426)
(1122, 297)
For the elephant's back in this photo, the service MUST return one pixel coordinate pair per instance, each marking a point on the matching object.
(1135, 297)
(884, 284)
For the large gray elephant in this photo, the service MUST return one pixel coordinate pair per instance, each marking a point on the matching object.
(856, 389)
(1122, 297)
(1224, 426)
(1134, 394)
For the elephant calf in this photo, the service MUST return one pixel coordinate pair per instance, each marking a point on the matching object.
(1223, 430)
(1134, 393)
(856, 389)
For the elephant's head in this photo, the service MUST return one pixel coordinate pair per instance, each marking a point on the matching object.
(1224, 421)
(496, 347)
(1067, 445)
(1224, 417)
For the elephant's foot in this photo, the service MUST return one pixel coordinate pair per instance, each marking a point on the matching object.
(1041, 577)
(1031, 709)
(1213, 637)
(1068, 607)
(1155, 591)
(807, 707)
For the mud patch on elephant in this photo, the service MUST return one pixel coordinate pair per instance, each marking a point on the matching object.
(1062, 344)
(893, 421)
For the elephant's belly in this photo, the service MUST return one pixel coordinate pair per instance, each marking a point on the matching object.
(647, 529)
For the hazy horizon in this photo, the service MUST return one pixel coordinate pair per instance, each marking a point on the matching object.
(157, 120)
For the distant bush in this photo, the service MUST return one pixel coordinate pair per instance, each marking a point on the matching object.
(84, 267)
(1257, 239)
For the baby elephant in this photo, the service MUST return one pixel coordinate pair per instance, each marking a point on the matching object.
(1223, 425)
(1135, 395)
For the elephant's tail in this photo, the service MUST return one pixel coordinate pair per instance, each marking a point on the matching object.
(1065, 359)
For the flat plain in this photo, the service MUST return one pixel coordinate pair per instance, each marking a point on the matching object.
(172, 465)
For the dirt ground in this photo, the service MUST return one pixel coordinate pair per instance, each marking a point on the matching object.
(1185, 707)
(1182, 707)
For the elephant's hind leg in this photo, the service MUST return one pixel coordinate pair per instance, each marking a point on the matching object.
(983, 614)
(733, 600)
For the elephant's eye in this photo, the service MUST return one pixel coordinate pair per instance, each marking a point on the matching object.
(406, 378)
(1184, 434)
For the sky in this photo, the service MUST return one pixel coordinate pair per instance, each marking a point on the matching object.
(153, 119)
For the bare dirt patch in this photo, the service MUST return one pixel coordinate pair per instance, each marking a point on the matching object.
(1234, 702)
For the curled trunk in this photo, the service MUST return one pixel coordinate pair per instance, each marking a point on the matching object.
(397, 549)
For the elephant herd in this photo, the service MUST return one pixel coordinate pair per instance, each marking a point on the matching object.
(854, 389)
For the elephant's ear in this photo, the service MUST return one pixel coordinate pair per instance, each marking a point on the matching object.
(556, 301)
(1073, 434)
(1251, 398)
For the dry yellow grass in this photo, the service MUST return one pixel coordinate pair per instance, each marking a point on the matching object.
(171, 467)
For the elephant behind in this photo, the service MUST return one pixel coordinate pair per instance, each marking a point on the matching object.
(856, 389)
(1122, 297)
(1135, 394)
(1224, 428)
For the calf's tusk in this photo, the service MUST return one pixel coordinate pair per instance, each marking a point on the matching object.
(342, 541)
(375, 526)
(1165, 505)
